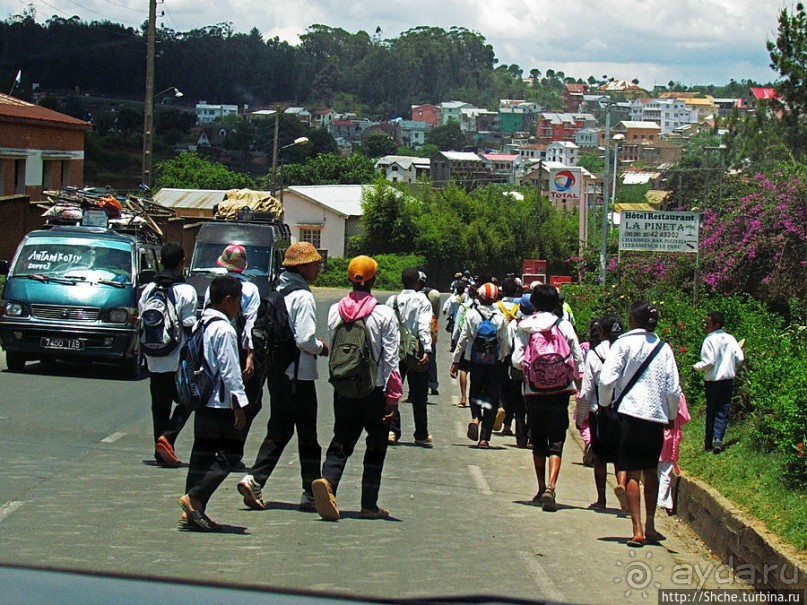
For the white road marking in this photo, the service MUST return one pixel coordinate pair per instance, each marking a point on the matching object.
(113, 437)
(9, 507)
(546, 586)
(479, 479)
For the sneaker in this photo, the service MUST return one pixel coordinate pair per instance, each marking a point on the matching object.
(473, 431)
(307, 503)
(718, 447)
(427, 442)
(378, 513)
(324, 500)
(165, 451)
(392, 438)
(548, 502)
(251, 491)
(499, 422)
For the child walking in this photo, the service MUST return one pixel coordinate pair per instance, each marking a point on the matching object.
(668, 461)
(218, 435)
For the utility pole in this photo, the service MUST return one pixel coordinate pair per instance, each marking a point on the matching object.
(538, 217)
(148, 108)
(605, 191)
(274, 149)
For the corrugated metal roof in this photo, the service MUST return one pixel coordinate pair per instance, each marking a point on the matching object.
(461, 156)
(639, 178)
(199, 199)
(342, 199)
(13, 107)
(638, 207)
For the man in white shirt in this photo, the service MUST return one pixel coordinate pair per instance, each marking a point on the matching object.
(167, 425)
(414, 312)
(293, 394)
(720, 355)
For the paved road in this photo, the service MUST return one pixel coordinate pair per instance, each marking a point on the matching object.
(78, 491)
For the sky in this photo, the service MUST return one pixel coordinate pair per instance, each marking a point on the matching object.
(688, 41)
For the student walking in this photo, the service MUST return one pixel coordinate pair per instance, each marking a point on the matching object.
(668, 461)
(414, 313)
(640, 368)
(609, 328)
(582, 407)
(483, 341)
(541, 338)
(218, 442)
(433, 296)
(513, 385)
(173, 311)
(292, 392)
(508, 306)
(720, 355)
(358, 406)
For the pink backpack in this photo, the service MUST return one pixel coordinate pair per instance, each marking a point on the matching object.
(548, 364)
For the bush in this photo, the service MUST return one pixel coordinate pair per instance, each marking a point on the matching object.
(390, 267)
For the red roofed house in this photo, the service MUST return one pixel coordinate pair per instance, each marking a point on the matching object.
(426, 113)
(39, 148)
(573, 96)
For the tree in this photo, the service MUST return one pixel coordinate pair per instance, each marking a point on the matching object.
(378, 145)
(789, 57)
(192, 171)
(330, 169)
(448, 137)
(387, 221)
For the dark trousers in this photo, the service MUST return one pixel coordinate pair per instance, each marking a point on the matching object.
(418, 396)
(484, 394)
(718, 404)
(163, 396)
(351, 416)
(434, 383)
(548, 418)
(217, 447)
(253, 387)
(513, 401)
(290, 408)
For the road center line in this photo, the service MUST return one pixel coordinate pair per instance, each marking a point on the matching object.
(546, 586)
(479, 479)
(9, 507)
(113, 437)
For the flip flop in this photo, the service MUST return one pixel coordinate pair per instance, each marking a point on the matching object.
(633, 543)
(473, 431)
(619, 492)
(196, 517)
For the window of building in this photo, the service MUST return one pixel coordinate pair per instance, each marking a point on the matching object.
(312, 235)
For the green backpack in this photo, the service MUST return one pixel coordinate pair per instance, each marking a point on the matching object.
(411, 350)
(351, 365)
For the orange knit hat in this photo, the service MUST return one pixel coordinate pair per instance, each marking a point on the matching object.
(362, 269)
(301, 253)
(488, 293)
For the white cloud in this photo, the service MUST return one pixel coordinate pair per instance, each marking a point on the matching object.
(694, 41)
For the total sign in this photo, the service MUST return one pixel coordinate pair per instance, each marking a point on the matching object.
(565, 185)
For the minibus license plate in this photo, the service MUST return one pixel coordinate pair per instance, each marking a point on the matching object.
(68, 344)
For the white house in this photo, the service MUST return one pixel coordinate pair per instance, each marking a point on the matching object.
(413, 134)
(403, 169)
(667, 113)
(206, 113)
(450, 110)
(324, 215)
(564, 152)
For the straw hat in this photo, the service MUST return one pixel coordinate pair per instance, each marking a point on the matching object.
(301, 253)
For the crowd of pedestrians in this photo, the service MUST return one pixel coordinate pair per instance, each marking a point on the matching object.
(514, 351)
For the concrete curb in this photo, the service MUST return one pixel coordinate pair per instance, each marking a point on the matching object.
(756, 555)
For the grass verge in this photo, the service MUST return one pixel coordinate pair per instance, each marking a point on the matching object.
(752, 480)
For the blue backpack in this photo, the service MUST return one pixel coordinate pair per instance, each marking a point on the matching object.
(195, 381)
(485, 347)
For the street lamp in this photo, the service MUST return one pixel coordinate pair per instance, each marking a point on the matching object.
(605, 190)
(177, 93)
(297, 141)
(616, 139)
(148, 128)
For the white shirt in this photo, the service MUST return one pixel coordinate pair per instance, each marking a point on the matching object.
(250, 301)
(415, 313)
(302, 310)
(382, 331)
(185, 296)
(720, 355)
(656, 394)
(221, 354)
(470, 327)
(592, 366)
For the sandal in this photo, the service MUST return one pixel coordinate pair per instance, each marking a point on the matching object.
(548, 503)
(196, 517)
(634, 543)
(619, 492)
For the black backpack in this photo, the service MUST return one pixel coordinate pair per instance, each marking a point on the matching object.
(272, 339)
(195, 381)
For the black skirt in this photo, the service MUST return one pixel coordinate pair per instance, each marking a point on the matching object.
(640, 443)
